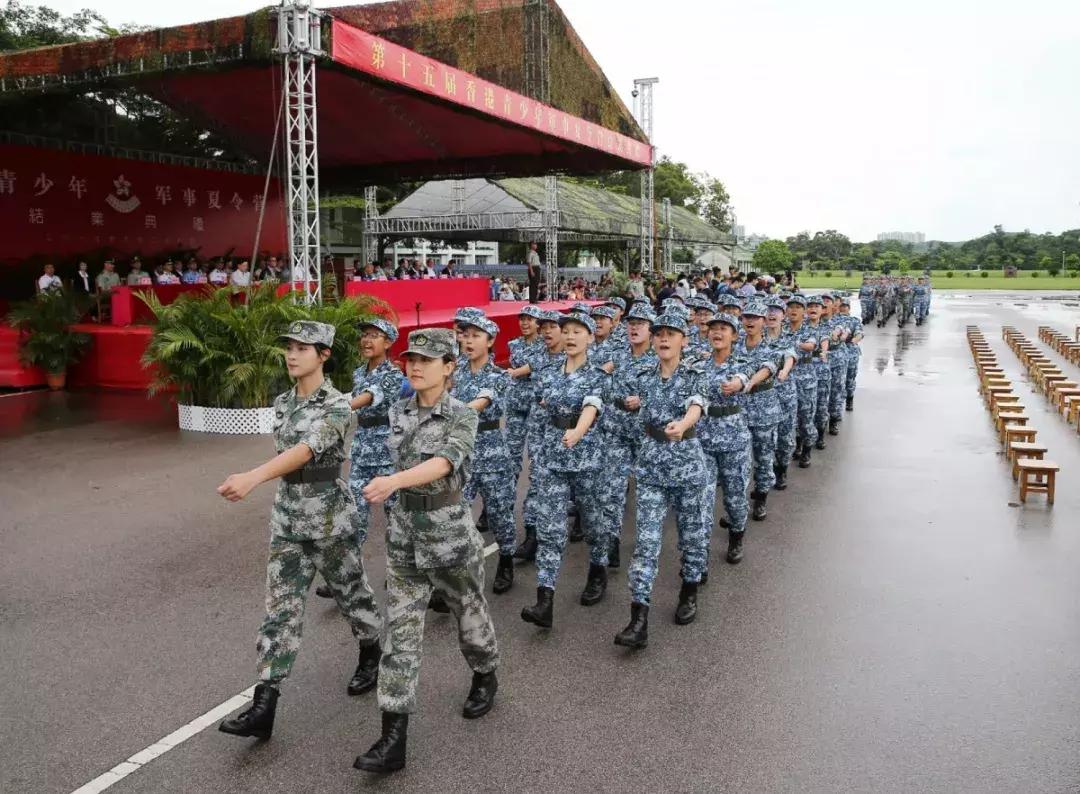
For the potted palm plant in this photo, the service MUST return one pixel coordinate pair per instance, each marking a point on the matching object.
(47, 340)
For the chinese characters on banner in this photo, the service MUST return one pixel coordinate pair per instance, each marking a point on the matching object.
(59, 204)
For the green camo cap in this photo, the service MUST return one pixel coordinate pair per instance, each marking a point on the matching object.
(432, 343)
(309, 332)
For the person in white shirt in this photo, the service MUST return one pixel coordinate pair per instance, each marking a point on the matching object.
(219, 275)
(49, 280)
(168, 276)
(241, 277)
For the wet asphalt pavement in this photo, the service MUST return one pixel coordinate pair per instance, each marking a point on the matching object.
(897, 624)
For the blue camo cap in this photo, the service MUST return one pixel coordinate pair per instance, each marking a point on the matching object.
(641, 311)
(584, 308)
(617, 301)
(827, 296)
(812, 299)
(798, 300)
(730, 300)
(642, 299)
(671, 320)
(580, 319)
(531, 310)
(603, 311)
(385, 326)
(549, 316)
(726, 319)
(754, 309)
(466, 313)
(484, 324)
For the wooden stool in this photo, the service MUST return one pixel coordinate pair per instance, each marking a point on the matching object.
(1019, 450)
(1037, 476)
(1060, 393)
(1019, 433)
(1010, 419)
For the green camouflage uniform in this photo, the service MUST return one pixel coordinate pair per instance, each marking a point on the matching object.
(314, 526)
(430, 549)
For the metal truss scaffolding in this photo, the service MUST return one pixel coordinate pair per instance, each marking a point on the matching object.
(299, 44)
(537, 50)
(643, 92)
(551, 231)
(667, 251)
(369, 245)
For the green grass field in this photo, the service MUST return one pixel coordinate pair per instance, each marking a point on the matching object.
(961, 280)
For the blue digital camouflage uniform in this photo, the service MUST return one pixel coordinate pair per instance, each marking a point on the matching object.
(822, 372)
(436, 548)
(922, 300)
(370, 457)
(569, 475)
(838, 358)
(491, 463)
(726, 441)
(314, 526)
(669, 475)
(520, 398)
(763, 414)
(543, 361)
(854, 354)
(806, 382)
(783, 347)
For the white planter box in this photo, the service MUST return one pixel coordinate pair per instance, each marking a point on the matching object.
(227, 421)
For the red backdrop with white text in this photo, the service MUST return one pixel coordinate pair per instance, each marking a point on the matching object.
(60, 204)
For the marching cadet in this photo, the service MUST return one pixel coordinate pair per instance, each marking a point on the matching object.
(606, 345)
(622, 422)
(783, 345)
(569, 457)
(550, 356)
(618, 333)
(761, 403)
(670, 472)
(698, 344)
(524, 351)
(483, 386)
(806, 342)
(432, 544)
(725, 437)
(821, 330)
(314, 526)
(854, 353)
(838, 336)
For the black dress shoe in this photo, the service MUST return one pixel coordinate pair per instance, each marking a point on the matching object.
(595, 586)
(387, 754)
(636, 633)
(324, 591)
(504, 574)
(367, 669)
(481, 696)
(540, 614)
(257, 721)
(527, 549)
(437, 603)
(734, 547)
(687, 609)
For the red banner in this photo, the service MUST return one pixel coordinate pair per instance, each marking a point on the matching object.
(376, 56)
(61, 204)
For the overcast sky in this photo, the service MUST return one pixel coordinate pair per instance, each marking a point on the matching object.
(940, 116)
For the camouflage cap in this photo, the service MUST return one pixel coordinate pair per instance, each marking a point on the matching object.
(845, 301)
(827, 296)
(642, 299)
(466, 313)
(581, 307)
(432, 343)
(603, 311)
(774, 304)
(580, 318)
(730, 300)
(754, 309)
(812, 299)
(531, 310)
(674, 300)
(618, 302)
(484, 324)
(727, 319)
(694, 302)
(641, 311)
(309, 332)
(671, 320)
(549, 316)
(797, 300)
(379, 324)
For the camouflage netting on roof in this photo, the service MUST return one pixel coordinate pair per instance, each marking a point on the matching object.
(487, 38)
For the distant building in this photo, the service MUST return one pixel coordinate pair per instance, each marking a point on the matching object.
(903, 237)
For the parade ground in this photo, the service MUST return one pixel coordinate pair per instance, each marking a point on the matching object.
(899, 624)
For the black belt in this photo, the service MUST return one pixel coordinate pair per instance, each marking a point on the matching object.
(313, 475)
(565, 422)
(492, 424)
(373, 421)
(425, 502)
(658, 433)
(718, 411)
(764, 386)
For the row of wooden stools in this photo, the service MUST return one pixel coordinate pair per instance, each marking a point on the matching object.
(1064, 394)
(1029, 465)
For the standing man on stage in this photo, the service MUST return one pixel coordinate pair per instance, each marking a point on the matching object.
(533, 261)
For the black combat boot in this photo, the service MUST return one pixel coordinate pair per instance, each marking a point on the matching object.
(724, 523)
(367, 670)
(613, 558)
(324, 591)
(437, 603)
(821, 430)
(577, 534)
(257, 721)
(687, 609)
(527, 549)
(387, 754)
(759, 512)
(540, 613)
(804, 458)
(636, 633)
(850, 405)
(799, 443)
(781, 478)
(834, 427)
(481, 696)
(504, 574)
(734, 547)
(595, 585)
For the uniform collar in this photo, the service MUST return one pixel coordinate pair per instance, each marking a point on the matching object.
(316, 396)
(441, 408)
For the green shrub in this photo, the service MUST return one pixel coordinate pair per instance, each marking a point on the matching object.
(828, 274)
(948, 274)
(1034, 273)
(984, 274)
(968, 274)
(47, 340)
(1074, 273)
